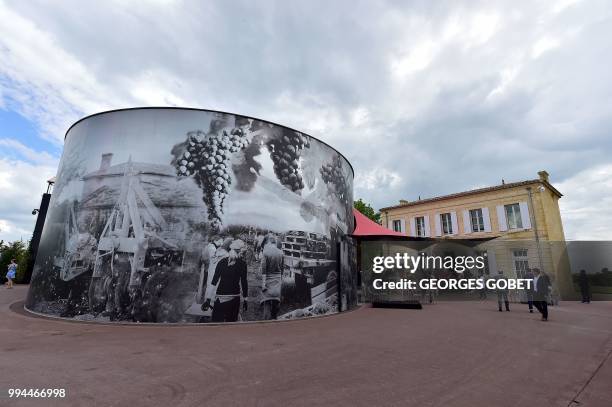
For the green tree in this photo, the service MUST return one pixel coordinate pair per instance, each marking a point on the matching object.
(17, 250)
(366, 209)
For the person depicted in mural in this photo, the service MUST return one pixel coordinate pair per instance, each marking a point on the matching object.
(230, 278)
(502, 293)
(11, 273)
(258, 245)
(272, 263)
(208, 257)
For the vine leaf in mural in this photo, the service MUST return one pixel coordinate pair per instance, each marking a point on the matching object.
(247, 168)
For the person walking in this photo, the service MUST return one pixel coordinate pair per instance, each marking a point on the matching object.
(540, 293)
(585, 289)
(529, 291)
(11, 273)
(272, 263)
(502, 293)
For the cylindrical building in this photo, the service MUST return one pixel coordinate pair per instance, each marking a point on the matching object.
(187, 215)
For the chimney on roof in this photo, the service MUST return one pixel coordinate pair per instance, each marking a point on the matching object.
(543, 176)
(105, 163)
(403, 202)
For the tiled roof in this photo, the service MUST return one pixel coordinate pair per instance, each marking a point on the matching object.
(475, 192)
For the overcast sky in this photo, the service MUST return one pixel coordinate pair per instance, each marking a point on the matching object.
(424, 98)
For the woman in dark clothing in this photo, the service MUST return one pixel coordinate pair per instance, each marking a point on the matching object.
(229, 278)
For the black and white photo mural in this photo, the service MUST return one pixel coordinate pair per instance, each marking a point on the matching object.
(186, 215)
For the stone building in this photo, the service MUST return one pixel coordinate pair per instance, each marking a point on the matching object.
(519, 223)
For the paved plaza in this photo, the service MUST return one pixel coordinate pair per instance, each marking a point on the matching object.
(448, 354)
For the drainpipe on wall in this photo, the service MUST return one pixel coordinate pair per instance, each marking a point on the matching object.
(535, 227)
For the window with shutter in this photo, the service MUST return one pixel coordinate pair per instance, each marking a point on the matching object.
(525, 219)
(477, 220)
(447, 223)
(513, 216)
(420, 226)
(397, 226)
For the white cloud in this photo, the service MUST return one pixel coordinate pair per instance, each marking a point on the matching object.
(424, 100)
(482, 27)
(12, 147)
(587, 205)
(417, 59)
(561, 5)
(47, 83)
(21, 187)
(543, 45)
(360, 116)
(156, 88)
(378, 178)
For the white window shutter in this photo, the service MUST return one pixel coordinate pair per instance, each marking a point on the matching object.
(487, 219)
(403, 226)
(525, 218)
(427, 230)
(413, 231)
(501, 218)
(467, 225)
(438, 226)
(455, 224)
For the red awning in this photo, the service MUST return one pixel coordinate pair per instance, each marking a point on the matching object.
(364, 226)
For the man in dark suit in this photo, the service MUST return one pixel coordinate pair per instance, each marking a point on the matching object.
(529, 292)
(585, 289)
(502, 293)
(540, 292)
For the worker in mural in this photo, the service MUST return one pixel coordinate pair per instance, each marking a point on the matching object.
(229, 281)
(208, 260)
(271, 274)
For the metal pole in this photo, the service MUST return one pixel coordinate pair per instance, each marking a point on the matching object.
(535, 228)
(338, 274)
(38, 228)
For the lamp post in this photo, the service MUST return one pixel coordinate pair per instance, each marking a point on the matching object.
(41, 211)
(535, 228)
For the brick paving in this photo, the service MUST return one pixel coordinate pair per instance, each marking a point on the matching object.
(448, 354)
